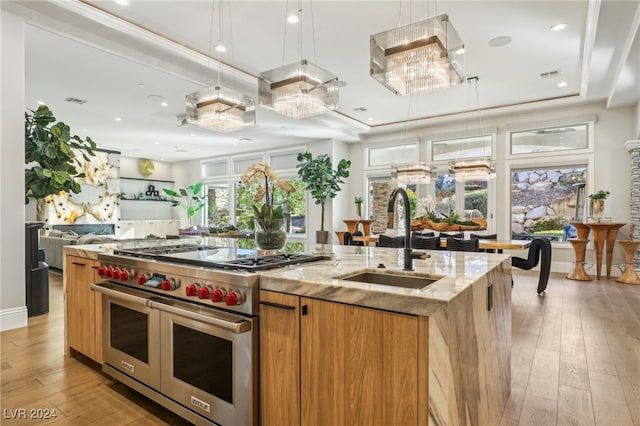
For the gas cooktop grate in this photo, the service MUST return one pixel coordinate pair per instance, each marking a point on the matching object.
(256, 263)
(155, 251)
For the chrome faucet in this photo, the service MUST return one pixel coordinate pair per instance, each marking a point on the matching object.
(408, 264)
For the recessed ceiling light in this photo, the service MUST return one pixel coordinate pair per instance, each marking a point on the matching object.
(164, 104)
(293, 19)
(220, 48)
(499, 41)
(460, 51)
(85, 130)
(140, 84)
(244, 139)
(118, 119)
(162, 159)
(193, 134)
(155, 97)
(562, 84)
(559, 27)
(41, 103)
(157, 142)
(122, 2)
(360, 109)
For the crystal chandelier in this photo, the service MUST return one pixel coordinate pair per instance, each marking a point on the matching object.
(418, 173)
(419, 57)
(219, 108)
(298, 90)
(474, 169)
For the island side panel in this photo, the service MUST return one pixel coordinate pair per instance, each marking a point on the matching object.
(470, 353)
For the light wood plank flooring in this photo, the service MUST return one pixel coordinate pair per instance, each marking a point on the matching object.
(575, 361)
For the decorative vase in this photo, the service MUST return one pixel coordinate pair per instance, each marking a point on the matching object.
(358, 210)
(322, 237)
(270, 234)
(597, 208)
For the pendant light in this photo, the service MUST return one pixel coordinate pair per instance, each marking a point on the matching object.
(219, 108)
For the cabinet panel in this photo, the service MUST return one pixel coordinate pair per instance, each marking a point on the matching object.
(84, 331)
(358, 366)
(280, 358)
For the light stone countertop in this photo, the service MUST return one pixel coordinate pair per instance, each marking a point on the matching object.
(459, 271)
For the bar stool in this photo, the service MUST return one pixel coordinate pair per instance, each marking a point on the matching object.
(629, 275)
(580, 248)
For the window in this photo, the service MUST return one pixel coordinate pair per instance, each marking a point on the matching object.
(388, 155)
(445, 187)
(561, 138)
(217, 204)
(545, 200)
(459, 148)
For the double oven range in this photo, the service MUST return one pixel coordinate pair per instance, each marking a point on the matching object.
(180, 325)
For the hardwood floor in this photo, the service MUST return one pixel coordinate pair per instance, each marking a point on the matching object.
(575, 361)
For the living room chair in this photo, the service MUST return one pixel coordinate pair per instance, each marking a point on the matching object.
(458, 244)
(539, 252)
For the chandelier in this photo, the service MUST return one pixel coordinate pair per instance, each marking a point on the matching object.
(418, 173)
(419, 57)
(219, 108)
(298, 90)
(475, 168)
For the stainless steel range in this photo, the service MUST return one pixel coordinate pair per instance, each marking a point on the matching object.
(180, 325)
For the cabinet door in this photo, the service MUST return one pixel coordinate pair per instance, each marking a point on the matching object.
(359, 366)
(279, 358)
(82, 321)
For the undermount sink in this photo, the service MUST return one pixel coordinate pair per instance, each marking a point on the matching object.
(391, 279)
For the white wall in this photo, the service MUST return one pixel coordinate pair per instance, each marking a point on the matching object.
(13, 310)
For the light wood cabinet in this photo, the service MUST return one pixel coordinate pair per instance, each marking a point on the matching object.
(84, 307)
(331, 363)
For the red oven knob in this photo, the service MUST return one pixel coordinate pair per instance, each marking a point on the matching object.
(124, 275)
(108, 272)
(102, 271)
(116, 273)
(233, 298)
(169, 284)
(218, 295)
(192, 289)
(204, 292)
(142, 278)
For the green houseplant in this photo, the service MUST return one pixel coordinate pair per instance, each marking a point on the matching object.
(51, 151)
(597, 204)
(189, 198)
(322, 181)
(358, 201)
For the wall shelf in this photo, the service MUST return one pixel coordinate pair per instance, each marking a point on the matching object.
(147, 180)
(144, 199)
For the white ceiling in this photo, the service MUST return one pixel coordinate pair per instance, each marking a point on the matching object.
(101, 52)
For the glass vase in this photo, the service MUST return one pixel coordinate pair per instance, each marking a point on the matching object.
(597, 209)
(270, 234)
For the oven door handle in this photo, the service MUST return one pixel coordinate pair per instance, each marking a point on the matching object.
(120, 295)
(236, 327)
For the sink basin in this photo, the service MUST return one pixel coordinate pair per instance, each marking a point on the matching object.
(391, 279)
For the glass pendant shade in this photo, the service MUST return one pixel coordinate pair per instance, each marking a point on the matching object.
(476, 169)
(419, 57)
(298, 90)
(220, 109)
(418, 173)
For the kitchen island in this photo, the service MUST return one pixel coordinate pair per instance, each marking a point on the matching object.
(342, 352)
(335, 351)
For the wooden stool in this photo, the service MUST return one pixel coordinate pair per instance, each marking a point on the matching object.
(579, 247)
(340, 235)
(629, 275)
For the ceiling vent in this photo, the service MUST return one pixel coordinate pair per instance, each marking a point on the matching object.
(76, 101)
(550, 74)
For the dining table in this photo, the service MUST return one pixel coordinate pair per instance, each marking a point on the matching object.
(484, 244)
(604, 237)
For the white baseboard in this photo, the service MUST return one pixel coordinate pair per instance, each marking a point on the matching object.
(13, 318)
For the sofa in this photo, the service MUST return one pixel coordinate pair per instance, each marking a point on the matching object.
(63, 235)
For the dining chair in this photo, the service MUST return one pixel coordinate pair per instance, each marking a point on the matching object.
(423, 234)
(486, 237)
(387, 241)
(425, 243)
(458, 235)
(347, 238)
(458, 244)
(539, 252)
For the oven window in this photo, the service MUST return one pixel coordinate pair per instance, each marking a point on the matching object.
(204, 361)
(129, 332)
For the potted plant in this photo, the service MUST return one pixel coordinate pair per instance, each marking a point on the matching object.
(189, 198)
(322, 181)
(358, 201)
(49, 149)
(268, 219)
(597, 203)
